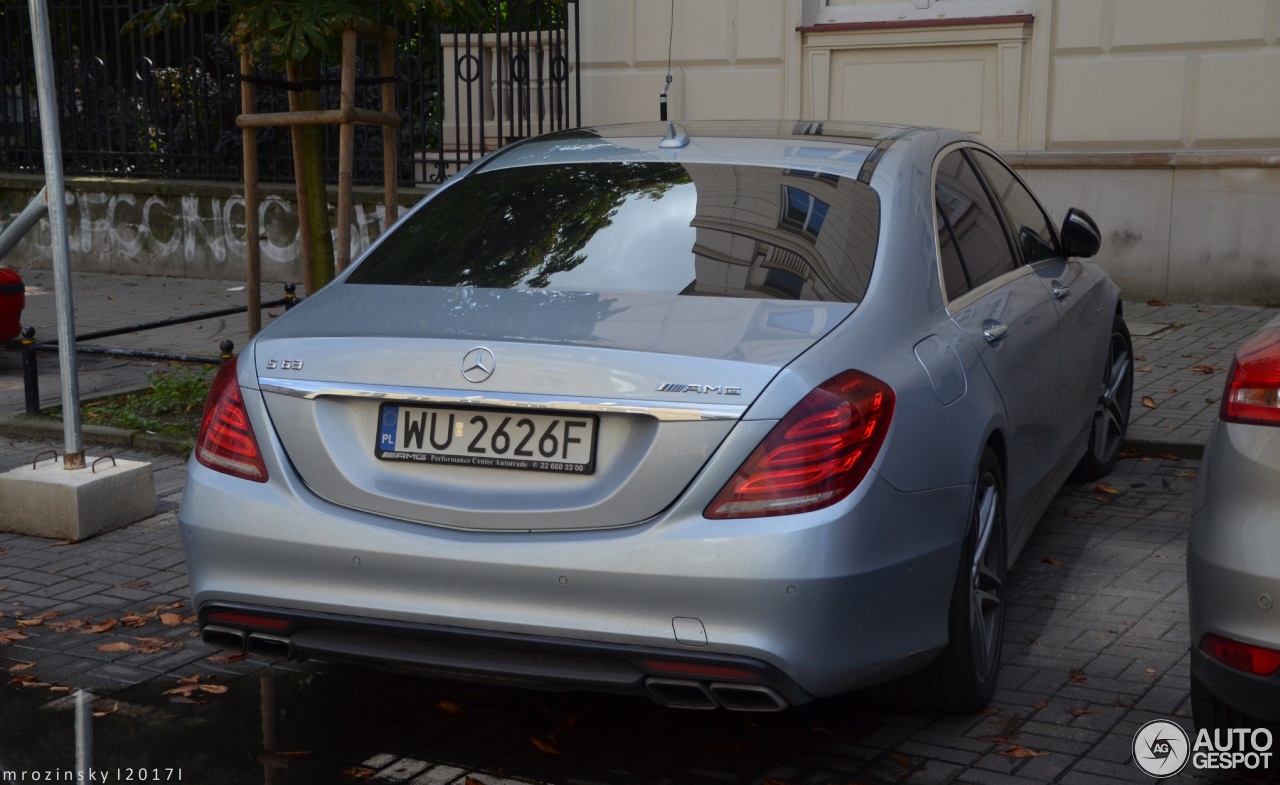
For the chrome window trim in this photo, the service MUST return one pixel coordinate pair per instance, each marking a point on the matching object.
(975, 294)
(665, 411)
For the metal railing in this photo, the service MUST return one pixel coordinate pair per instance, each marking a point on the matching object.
(166, 106)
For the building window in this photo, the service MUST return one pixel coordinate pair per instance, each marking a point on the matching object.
(802, 212)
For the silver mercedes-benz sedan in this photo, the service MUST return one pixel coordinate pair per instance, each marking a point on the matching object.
(1233, 548)
(731, 414)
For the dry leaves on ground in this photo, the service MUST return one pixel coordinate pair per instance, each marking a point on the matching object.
(1018, 751)
(1149, 402)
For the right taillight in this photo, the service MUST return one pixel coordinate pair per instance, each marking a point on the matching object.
(816, 455)
(1252, 394)
(226, 442)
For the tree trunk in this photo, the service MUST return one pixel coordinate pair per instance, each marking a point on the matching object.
(312, 148)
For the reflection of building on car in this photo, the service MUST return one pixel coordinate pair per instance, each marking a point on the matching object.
(12, 298)
(740, 418)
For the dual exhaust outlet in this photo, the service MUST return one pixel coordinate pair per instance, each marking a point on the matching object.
(690, 694)
(261, 644)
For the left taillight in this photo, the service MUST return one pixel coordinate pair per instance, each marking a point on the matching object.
(816, 455)
(1252, 392)
(226, 442)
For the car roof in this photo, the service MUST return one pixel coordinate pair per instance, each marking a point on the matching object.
(847, 149)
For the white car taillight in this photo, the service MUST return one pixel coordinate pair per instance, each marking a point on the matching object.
(1252, 394)
(816, 455)
(226, 442)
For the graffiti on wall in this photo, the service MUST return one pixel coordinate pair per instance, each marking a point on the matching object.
(193, 235)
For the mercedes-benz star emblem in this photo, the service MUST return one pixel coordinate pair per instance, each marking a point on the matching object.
(478, 365)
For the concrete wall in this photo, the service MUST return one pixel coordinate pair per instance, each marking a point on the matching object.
(191, 229)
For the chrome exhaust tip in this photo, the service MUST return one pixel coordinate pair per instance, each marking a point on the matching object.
(680, 694)
(747, 697)
(223, 637)
(272, 647)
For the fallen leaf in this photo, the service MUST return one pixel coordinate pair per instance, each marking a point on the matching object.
(473, 781)
(28, 681)
(1077, 676)
(1144, 369)
(1100, 488)
(214, 689)
(1168, 456)
(190, 619)
(133, 620)
(1149, 402)
(1052, 562)
(1156, 303)
(544, 746)
(184, 690)
(1038, 705)
(1018, 751)
(1081, 712)
(11, 636)
(59, 688)
(2, 588)
(990, 711)
(228, 657)
(106, 626)
(359, 772)
(156, 608)
(104, 712)
(63, 626)
(22, 666)
(449, 707)
(171, 619)
(902, 759)
(1186, 475)
(1145, 459)
(1151, 671)
(1207, 370)
(116, 646)
(1177, 325)
(155, 644)
(1129, 452)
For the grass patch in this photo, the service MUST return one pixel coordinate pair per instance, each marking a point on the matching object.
(171, 406)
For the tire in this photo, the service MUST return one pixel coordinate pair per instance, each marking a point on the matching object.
(963, 678)
(1111, 416)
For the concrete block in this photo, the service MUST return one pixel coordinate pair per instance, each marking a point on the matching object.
(50, 501)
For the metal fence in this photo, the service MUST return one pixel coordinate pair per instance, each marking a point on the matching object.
(166, 106)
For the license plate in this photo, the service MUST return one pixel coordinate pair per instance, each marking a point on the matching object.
(487, 437)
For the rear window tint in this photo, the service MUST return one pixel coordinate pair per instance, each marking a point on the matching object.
(656, 227)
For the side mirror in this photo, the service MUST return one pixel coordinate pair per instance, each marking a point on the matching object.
(1080, 235)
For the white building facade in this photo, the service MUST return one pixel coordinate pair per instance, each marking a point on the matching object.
(1159, 117)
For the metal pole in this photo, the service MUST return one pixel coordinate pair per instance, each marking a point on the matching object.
(18, 228)
(84, 730)
(42, 48)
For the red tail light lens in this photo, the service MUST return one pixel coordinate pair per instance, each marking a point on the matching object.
(1241, 656)
(1253, 385)
(226, 442)
(816, 455)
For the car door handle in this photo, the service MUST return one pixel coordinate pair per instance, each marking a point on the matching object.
(993, 331)
(1061, 292)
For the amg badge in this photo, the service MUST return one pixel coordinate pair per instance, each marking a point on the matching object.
(705, 389)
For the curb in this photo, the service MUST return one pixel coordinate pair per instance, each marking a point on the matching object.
(98, 435)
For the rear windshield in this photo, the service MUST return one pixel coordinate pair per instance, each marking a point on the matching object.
(652, 227)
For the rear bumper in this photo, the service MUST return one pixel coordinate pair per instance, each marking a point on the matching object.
(1254, 695)
(679, 679)
(816, 604)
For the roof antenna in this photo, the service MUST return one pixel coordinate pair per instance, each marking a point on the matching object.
(674, 139)
(662, 97)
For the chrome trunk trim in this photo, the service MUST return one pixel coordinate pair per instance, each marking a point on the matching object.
(667, 411)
